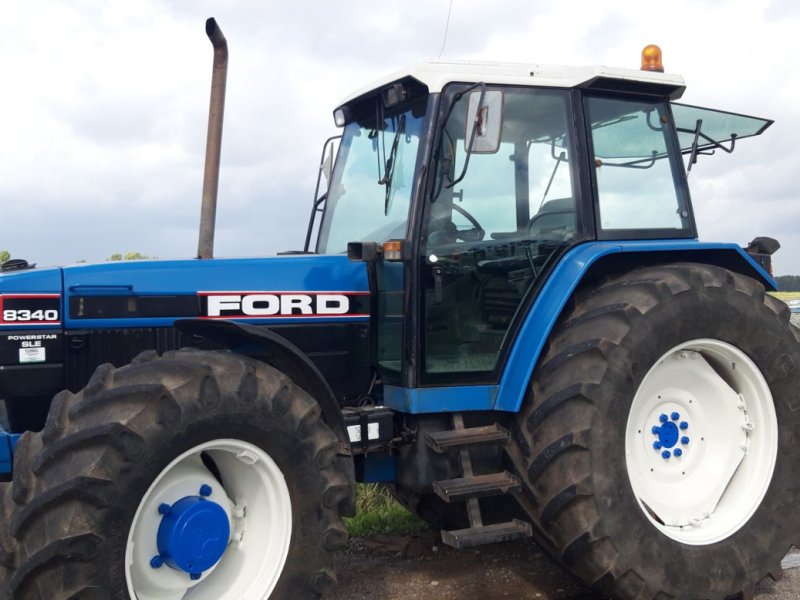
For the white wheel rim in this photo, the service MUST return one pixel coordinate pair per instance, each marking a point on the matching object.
(256, 501)
(705, 485)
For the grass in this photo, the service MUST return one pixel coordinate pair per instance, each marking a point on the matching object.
(377, 512)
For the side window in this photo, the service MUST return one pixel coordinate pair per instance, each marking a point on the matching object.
(635, 171)
(493, 221)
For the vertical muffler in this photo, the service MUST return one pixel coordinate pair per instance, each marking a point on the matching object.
(216, 109)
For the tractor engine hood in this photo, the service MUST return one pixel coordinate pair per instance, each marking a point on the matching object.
(153, 293)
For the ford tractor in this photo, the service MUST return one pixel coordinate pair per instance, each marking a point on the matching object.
(502, 312)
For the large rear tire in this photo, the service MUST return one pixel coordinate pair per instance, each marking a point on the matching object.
(659, 438)
(197, 472)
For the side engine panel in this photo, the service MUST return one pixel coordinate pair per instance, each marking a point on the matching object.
(109, 313)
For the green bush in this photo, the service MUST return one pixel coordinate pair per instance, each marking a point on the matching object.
(129, 256)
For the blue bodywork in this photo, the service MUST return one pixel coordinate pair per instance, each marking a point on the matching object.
(8, 443)
(328, 274)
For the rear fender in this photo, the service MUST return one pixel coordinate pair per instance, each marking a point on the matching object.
(587, 263)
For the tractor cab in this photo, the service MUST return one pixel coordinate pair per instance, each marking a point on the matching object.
(465, 184)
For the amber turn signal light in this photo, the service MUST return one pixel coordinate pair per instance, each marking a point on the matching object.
(393, 250)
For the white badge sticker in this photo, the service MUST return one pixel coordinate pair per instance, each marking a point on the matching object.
(32, 355)
(354, 433)
(373, 430)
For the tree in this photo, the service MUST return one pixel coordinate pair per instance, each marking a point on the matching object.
(788, 283)
(4, 256)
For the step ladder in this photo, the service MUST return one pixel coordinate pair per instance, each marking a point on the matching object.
(471, 487)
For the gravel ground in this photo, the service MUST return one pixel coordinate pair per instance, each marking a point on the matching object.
(420, 568)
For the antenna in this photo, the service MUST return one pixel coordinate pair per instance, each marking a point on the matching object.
(446, 29)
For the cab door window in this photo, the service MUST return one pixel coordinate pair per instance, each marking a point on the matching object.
(488, 236)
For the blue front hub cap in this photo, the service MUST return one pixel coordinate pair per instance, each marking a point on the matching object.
(193, 534)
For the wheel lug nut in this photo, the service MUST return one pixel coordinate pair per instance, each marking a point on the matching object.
(666, 454)
(685, 440)
(657, 445)
(684, 425)
(156, 562)
(655, 429)
(163, 508)
(205, 490)
(195, 576)
(677, 452)
(675, 416)
(663, 418)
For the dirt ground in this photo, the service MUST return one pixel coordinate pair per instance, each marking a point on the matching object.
(421, 568)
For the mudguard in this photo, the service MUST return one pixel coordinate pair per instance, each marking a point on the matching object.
(276, 351)
(580, 262)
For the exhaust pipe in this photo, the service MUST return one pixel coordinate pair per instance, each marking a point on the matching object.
(219, 74)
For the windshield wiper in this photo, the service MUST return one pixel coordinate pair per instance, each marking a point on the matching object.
(708, 143)
(388, 171)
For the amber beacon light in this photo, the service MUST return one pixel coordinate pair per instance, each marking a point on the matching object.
(651, 59)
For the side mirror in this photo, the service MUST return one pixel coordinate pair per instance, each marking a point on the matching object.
(487, 117)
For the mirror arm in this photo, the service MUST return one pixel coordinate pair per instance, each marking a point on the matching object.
(471, 137)
(319, 200)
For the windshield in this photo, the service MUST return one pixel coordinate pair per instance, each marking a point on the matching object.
(372, 182)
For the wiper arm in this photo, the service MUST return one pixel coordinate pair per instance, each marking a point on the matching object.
(388, 171)
(693, 153)
(708, 143)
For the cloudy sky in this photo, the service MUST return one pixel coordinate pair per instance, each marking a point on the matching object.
(103, 108)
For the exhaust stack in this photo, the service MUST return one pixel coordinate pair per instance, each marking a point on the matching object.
(219, 74)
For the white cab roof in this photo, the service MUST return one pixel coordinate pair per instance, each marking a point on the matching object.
(435, 75)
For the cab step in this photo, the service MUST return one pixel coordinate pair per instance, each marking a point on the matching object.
(476, 486)
(456, 439)
(487, 534)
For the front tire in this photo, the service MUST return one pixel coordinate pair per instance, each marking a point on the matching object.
(659, 440)
(200, 472)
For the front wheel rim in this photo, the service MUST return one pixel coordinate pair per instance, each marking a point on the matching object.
(701, 441)
(251, 493)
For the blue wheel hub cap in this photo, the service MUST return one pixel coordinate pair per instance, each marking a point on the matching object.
(193, 534)
(669, 433)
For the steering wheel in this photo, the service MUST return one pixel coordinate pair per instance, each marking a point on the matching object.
(476, 234)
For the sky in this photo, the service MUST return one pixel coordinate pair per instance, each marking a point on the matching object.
(104, 108)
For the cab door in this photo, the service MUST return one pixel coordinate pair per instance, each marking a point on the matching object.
(497, 216)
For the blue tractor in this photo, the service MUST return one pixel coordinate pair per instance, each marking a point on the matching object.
(502, 312)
